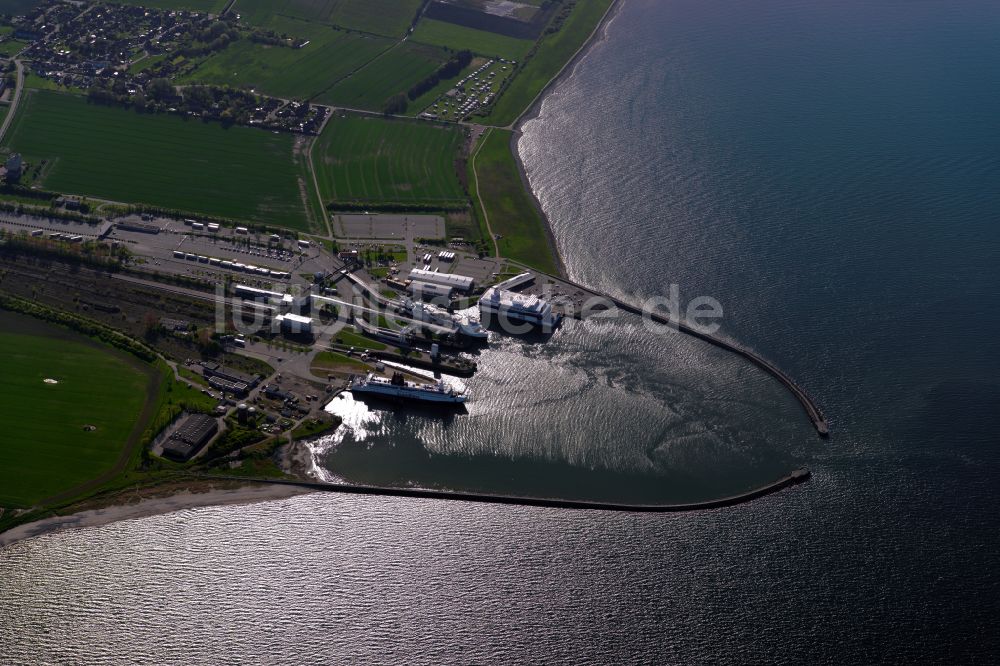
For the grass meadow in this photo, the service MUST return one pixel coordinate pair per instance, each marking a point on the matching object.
(44, 449)
(285, 72)
(395, 71)
(389, 18)
(373, 159)
(457, 38)
(209, 6)
(510, 207)
(161, 160)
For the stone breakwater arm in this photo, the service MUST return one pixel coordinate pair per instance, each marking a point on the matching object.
(796, 477)
(808, 404)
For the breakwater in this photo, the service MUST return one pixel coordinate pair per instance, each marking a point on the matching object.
(812, 410)
(794, 478)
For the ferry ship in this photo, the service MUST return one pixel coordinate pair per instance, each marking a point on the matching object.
(468, 327)
(399, 388)
(515, 307)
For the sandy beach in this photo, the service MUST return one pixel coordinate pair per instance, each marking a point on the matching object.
(150, 507)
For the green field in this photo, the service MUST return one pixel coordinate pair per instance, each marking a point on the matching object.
(457, 37)
(10, 47)
(374, 159)
(161, 160)
(395, 71)
(45, 449)
(210, 6)
(511, 209)
(300, 73)
(553, 52)
(390, 18)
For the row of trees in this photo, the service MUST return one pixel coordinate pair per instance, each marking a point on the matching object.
(448, 70)
(80, 324)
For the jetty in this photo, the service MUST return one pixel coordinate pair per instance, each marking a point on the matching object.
(794, 478)
(812, 410)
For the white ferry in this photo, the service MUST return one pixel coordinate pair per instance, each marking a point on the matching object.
(468, 327)
(399, 388)
(515, 307)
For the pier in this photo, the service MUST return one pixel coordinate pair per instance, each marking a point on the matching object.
(808, 404)
(794, 478)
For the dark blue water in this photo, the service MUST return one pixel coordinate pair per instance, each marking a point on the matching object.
(830, 172)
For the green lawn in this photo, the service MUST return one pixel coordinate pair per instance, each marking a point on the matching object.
(395, 71)
(286, 72)
(326, 361)
(459, 37)
(390, 18)
(374, 159)
(511, 210)
(161, 160)
(553, 52)
(347, 336)
(10, 47)
(45, 449)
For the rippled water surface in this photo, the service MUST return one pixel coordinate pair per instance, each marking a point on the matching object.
(830, 172)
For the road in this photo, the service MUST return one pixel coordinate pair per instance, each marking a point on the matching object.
(486, 216)
(12, 111)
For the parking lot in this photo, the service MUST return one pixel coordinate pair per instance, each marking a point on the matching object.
(388, 226)
(203, 253)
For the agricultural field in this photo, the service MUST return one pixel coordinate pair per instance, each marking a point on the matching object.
(553, 52)
(389, 18)
(46, 448)
(395, 71)
(379, 160)
(511, 210)
(161, 160)
(458, 38)
(286, 72)
(208, 6)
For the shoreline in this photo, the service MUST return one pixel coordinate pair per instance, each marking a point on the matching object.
(245, 493)
(533, 110)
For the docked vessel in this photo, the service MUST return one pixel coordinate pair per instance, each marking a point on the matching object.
(470, 328)
(399, 388)
(514, 307)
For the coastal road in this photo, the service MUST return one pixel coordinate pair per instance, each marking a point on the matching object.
(486, 216)
(12, 111)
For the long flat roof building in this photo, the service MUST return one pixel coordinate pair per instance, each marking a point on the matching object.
(294, 323)
(193, 433)
(420, 289)
(459, 282)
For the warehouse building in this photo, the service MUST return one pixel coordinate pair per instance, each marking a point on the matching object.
(458, 282)
(429, 290)
(193, 434)
(228, 380)
(293, 323)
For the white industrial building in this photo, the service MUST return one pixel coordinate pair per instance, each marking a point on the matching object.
(420, 289)
(459, 282)
(294, 323)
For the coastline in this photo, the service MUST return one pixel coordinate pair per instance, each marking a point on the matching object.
(533, 110)
(157, 504)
